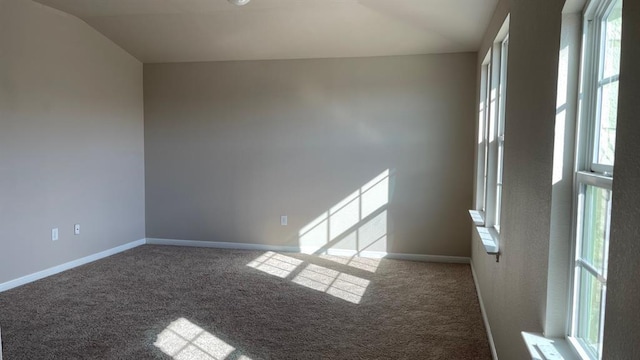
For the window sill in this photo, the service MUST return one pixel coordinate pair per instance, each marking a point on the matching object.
(477, 217)
(489, 238)
(543, 348)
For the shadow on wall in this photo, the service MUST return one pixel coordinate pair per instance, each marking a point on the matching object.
(355, 226)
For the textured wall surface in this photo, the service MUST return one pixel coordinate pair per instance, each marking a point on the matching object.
(622, 319)
(71, 140)
(514, 290)
(231, 146)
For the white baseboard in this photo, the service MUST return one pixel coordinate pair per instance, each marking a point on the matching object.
(70, 265)
(282, 248)
(344, 252)
(222, 245)
(430, 258)
(485, 318)
(219, 245)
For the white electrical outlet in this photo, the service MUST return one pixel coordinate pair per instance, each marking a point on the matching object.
(283, 220)
(54, 234)
(76, 229)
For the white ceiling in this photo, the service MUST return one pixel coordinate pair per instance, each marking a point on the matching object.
(209, 30)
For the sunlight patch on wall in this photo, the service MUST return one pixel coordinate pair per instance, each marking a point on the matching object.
(561, 115)
(375, 194)
(481, 120)
(275, 264)
(356, 225)
(344, 215)
(184, 340)
(492, 105)
(558, 147)
(315, 235)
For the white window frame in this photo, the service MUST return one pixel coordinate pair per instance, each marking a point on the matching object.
(485, 132)
(478, 215)
(588, 171)
(502, 100)
(490, 152)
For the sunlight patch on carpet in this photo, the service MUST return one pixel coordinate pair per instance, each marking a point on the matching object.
(362, 263)
(184, 340)
(275, 264)
(335, 283)
(344, 286)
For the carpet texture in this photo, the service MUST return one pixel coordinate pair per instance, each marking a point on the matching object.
(163, 302)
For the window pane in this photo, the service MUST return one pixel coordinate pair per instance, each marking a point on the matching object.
(504, 56)
(595, 234)
(607, 129)
(608, 86)
(485, 133)
(589, 311)
(485, 183)
(612, 36)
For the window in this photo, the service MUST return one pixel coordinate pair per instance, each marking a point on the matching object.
(490, 150)
(486, 71)
(594, 175)
(502, 96)
(483, 140)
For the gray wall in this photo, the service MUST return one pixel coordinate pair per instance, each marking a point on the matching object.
(71, 140)
(515, 290)
(622, 318)
(231, 146)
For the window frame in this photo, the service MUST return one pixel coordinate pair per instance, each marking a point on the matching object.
(500, 126)
(588, 172)
(490, 151)
(483, 142)
(593, 60)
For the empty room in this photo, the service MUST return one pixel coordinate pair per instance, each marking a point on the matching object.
(319, 179)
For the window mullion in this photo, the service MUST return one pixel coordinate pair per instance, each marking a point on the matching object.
(594, 179)
(592, 270)
(608, 80)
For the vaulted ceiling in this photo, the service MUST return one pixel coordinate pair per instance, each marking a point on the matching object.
(210, 30)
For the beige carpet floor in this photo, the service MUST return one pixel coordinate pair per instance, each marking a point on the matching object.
(162, 302)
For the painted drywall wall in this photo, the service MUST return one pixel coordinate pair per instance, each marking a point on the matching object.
(561, 217)
(232, 146)
(515, 290)
(71, 140)
(622, 317)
